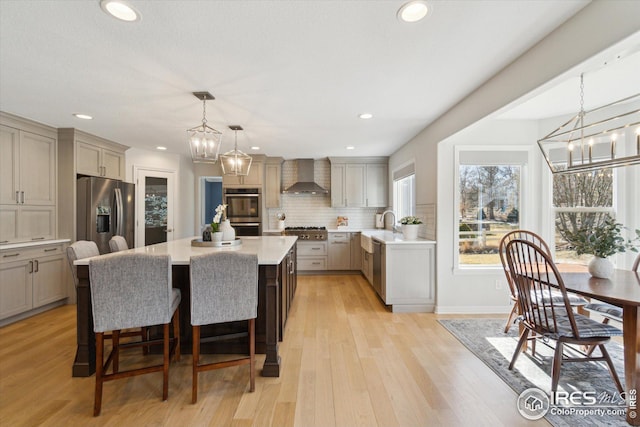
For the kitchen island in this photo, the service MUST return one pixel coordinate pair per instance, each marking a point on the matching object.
(276, 286)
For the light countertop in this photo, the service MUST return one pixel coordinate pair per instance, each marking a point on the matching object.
(389, 238)
(33, 244)
(271, 250)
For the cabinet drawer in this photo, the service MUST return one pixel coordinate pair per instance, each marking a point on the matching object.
(319, 263)
(311, 249)
(338, 237)
(21, 254)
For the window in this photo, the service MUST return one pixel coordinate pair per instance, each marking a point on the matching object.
(489, 201)
(404, 192)
(489, 207)
(580, 200)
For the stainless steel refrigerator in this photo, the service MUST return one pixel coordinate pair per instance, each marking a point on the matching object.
(105, 208)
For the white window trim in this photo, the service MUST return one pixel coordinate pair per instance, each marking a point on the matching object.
(393, 184)
(526, 202)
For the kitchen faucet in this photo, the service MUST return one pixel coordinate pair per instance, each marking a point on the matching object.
(393, 225)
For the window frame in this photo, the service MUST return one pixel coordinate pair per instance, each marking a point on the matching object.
(526, 203)
(410, 170)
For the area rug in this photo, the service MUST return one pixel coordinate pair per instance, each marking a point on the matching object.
(486, 339)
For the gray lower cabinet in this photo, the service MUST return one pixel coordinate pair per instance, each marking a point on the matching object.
(344, 251)
(312, 256)
(31, 278)
(339, 251)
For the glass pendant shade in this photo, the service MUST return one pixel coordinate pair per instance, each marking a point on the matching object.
(204, 141)
(235, 162)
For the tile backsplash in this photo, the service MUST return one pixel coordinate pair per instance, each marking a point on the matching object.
(315, 210)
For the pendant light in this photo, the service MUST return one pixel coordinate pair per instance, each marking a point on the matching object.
(235, 162)
(604, 137)
(204, 141)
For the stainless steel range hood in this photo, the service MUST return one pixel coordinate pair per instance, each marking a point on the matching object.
(305, 183)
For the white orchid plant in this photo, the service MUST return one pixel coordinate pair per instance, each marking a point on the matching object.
(220, 210)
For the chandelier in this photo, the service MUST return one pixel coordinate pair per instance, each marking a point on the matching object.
(204, 141)
(605, 137)
(235, 162)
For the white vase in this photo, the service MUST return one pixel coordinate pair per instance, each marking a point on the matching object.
(410, 231)
(600, 268)
(228, 233)
(217, 236)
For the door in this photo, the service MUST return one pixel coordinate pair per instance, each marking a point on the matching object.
(155, 201)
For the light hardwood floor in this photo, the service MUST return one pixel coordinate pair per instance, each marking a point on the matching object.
(346, 361)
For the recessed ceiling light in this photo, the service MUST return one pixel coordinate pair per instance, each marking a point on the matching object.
(413, 11)
(365, 115)
(161, 148)
(120, 9)
(350, 147)
(255, 148)
(83, 116)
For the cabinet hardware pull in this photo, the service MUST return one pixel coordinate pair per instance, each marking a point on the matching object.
(51, 250)
(4, 241)
(315, 263)
(22, 194)
(37, 238)
(37, 265)
(10, 255)
(30, 266)
(315, 249)
(17, 197)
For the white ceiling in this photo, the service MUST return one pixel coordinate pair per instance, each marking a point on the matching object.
(294, 74)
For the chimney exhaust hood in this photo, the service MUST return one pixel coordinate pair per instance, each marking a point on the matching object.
(305, 183)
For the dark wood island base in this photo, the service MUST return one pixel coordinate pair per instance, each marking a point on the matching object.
(276, 288)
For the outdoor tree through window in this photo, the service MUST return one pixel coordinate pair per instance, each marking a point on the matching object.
(489, 208)
(582, 201)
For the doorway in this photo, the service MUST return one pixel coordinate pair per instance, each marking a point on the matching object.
(210, 198)
(155, 192)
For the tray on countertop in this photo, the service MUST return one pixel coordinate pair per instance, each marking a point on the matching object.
(221, 244)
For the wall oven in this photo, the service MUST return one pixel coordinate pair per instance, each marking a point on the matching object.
(243, 210)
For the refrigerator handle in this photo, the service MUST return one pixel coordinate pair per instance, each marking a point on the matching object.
(119, 213)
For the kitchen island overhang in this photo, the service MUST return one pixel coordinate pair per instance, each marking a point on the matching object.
(276, 261)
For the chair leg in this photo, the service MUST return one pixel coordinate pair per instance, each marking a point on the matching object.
(165, 366)
(144, 334)
(523, 339)
(512, 316)
(252, 353)
(612, 370)
(555, 368)
(115, 340)
(97, 404)
(195, 338)
(176, 333)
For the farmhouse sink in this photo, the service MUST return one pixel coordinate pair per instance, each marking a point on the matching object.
(366, 242)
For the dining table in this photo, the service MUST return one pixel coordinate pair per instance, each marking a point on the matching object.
(276, 262)
(622, 290)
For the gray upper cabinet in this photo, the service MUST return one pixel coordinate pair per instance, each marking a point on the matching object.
(95, 158)
(273, 182)
(359, 182)
(28, 180)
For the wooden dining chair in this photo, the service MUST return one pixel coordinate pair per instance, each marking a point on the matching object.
(536, 276)
(224, 288)
(132, 291)
(532, 237)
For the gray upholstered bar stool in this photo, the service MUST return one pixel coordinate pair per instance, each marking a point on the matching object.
(224, 288)
(117, 244)
(132, 291)
(80, 250)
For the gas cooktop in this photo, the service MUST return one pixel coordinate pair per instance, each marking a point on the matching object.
(307, 233)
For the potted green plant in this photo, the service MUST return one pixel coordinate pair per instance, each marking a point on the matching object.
(410, 225)
(602, 241)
